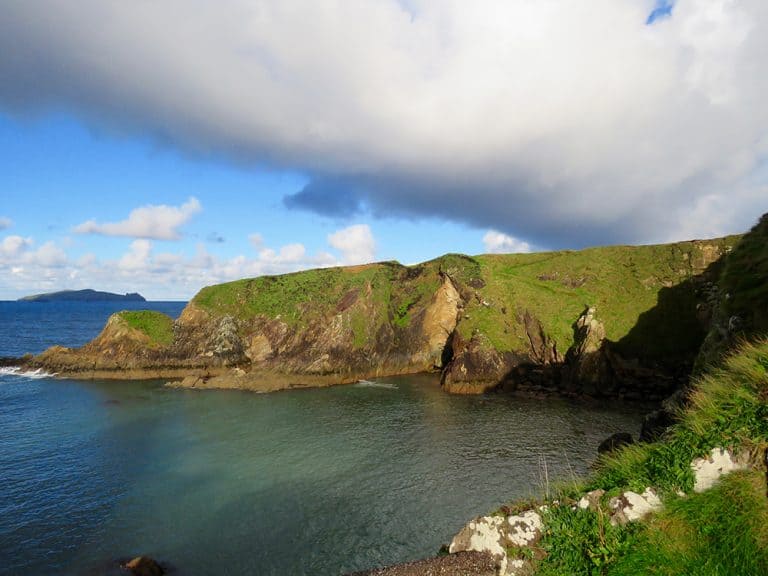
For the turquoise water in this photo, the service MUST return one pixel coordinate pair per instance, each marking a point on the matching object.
(321, 481)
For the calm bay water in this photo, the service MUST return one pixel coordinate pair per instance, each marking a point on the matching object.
(223, 482)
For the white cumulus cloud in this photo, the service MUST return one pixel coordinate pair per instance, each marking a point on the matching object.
(356, 244)
(137, 256)
(13, 246)
(496, 242)
(159, 222)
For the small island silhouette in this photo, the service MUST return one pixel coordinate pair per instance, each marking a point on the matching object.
(87, 295)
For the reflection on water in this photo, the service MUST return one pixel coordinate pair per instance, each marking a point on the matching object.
(303, 482)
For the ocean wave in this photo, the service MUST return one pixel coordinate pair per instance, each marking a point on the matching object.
(18, 371)
(370, 384)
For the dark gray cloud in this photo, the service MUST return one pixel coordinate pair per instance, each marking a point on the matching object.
(561, 123)
(329, 196)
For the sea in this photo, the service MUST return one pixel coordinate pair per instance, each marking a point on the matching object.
(316, 481)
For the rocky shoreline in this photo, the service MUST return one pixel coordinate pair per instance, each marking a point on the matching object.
(462, 317)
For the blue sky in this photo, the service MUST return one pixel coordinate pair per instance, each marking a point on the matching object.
(143, 152)
(58, 173)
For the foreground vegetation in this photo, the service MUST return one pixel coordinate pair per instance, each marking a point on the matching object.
(720, 531)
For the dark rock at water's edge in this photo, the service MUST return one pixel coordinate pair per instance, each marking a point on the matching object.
(615, 441)
(655, 424)
(87, 295)
(10, 361)
(144, 566)
(127, 566)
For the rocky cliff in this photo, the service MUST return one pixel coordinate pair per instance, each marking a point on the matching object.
(617, 321)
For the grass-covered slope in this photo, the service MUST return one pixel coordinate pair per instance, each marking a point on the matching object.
(720, 531)
(303, 298)
(503, 300)
(621, 282)
(156, 326)
(723, 532)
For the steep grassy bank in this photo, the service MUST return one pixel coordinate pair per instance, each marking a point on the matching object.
(720, 531)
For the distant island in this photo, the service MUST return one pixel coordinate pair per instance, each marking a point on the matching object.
(86, 295)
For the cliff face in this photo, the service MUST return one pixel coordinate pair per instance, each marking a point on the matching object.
(605, 321)
(737, 307)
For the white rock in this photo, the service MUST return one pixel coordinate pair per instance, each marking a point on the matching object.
(523, 528)
(516, 566)
(493, 534)
(707, 471)
(591, 500)
(631, 506)
(482, 535)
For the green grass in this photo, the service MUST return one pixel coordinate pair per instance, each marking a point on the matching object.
(580, 542)
(723, 531)
(727, 408)
(644, 295)
(156, 325)
(292, 297)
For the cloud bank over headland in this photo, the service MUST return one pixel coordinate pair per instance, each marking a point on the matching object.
(557, 123)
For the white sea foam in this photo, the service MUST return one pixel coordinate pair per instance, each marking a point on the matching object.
(369, 384)
(18, 371)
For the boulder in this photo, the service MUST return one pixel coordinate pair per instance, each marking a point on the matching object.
(496, 535)
(615, 441)
(591, 500)
(631, 506)
(655, 424)
(707, 471)
(144, 566)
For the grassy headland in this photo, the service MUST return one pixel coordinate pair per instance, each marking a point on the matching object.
(158, 327)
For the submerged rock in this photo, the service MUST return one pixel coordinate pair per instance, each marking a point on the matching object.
(655, 424)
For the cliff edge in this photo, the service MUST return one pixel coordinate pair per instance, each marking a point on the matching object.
(620, 321)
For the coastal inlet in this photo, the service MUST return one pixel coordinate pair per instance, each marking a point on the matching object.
(321, 481)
